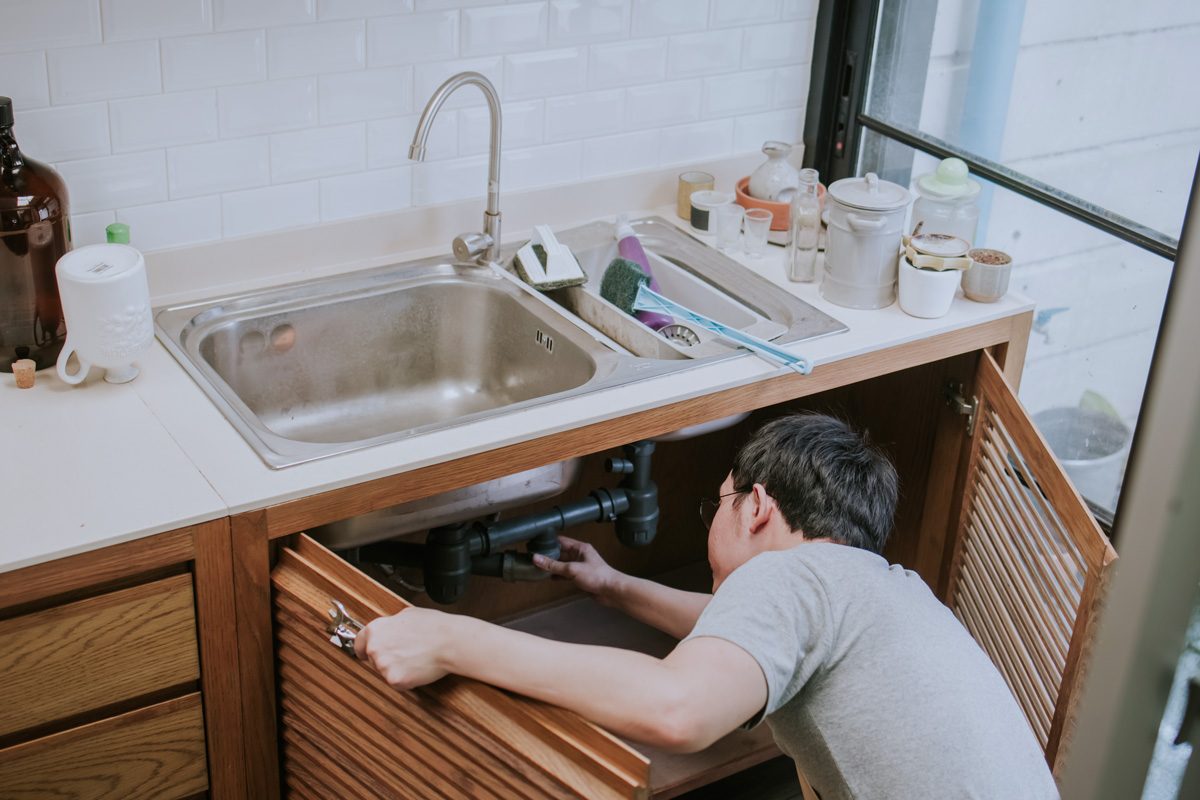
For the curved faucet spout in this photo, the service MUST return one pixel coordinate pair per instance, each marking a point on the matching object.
(416, 152)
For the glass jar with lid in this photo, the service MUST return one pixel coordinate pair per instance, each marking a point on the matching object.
(947, 202)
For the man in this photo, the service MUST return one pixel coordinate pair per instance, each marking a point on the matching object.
(866, 680)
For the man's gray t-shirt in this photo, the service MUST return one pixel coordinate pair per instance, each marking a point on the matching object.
(874, 688)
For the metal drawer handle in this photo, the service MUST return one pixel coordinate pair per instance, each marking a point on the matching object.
(343, 629)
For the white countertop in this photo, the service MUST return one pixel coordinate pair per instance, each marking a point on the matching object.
(99, 464)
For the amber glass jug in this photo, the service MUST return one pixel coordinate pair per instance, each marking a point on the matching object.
(34, 232)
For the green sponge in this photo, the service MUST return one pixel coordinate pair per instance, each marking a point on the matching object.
(621, 282)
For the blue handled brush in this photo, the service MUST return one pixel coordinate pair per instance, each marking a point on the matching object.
(627, 287)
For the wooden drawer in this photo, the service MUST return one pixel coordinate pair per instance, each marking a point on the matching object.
(156, 752)
(83, 656)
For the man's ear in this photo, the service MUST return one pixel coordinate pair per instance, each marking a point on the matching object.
(762, 506)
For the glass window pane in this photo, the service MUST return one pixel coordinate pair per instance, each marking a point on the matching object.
(1099, 304)
(1095, 97)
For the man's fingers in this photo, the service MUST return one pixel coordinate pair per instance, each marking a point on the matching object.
(360, 643)
(560, 568)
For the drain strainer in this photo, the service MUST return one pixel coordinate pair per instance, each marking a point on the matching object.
(680, 334)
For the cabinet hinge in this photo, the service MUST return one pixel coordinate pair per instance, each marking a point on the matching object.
(956, 399)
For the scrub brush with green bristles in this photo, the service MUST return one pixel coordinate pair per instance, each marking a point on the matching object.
(627, 287)
(546, 264)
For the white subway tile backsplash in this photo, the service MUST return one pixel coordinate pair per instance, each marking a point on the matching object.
(542, 166)
(267, 107)
(799, 9)
(627, 63)
(90, 228)
(545, 73)
(428, 77)
(164, 120)
(115, 181)
(370, 94)
(754, 129)
(388, 140)
(503, 29)
(778, 44)
(578, 116)
(696, 142)
(254, 115)
(656, 17)
(703, 53)
(726, 13)
(149, 19)
(101, 72)
(221, 59)
(234, 14)
(626, 152)
(24, 80)
(446, 181)
(366, 193)
(738, 93)
(791, 86)
(661, 104)
(318, 152)
(353, 9)
(34, 24)
(223, 166)
(173, 224)
(288, 205)
(578, 21)
(64, 133)
(315, 49)
(523, 126)
(412, 38)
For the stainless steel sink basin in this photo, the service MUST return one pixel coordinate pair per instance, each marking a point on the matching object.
(338, 364)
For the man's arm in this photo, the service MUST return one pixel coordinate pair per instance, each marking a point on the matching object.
(704, 689)
(672, 611)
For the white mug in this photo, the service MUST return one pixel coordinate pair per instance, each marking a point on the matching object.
(106, 303)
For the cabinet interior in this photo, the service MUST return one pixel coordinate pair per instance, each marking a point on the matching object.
(897, 411)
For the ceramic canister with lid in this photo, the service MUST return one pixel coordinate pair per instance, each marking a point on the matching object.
(866, 220)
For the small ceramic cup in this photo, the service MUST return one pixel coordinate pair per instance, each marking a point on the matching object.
(106, 303)
(703, 205)
(987, 279)
(925, 292)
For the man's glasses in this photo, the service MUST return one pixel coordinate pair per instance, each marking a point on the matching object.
(709, 506)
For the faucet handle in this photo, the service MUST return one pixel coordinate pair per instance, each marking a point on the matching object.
(471, 246)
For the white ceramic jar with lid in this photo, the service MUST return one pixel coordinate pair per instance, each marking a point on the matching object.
(866, 221)
(947, 201)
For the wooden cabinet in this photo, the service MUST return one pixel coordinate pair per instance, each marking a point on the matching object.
(115, 676)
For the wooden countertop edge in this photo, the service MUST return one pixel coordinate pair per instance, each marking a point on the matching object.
(297, 515)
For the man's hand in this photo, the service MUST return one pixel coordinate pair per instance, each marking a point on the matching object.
(407, 649)
(582, 564)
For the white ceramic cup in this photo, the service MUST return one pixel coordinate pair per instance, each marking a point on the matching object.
(703, 205)
(925, 292)
(106, 303)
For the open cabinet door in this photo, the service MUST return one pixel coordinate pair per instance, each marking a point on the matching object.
(1029, 562)
(348, 734)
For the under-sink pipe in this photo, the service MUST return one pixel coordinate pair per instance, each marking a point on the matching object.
(452, 553)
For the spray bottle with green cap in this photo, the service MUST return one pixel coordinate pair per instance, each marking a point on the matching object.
(117, 233)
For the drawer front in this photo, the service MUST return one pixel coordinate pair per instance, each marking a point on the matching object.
(86, 655)
(156, 752)
(347, 734)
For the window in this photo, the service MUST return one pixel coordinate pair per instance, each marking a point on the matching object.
(1082, 122)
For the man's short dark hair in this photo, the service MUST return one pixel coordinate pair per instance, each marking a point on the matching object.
(828, 480)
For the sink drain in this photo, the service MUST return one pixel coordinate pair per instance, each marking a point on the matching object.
(680, 334)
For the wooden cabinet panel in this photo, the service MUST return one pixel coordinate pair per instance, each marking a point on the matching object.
(1029, 563)
(153, 752)
(455, 738)
(90, 654)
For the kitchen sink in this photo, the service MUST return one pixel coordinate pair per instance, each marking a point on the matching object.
(346, 362)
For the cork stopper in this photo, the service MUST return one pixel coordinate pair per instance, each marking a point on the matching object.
(23, 370)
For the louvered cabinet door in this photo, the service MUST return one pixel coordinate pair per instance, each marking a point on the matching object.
(347, 734)
(1029, 562)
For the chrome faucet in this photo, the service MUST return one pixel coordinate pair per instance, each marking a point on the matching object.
(483, 248)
